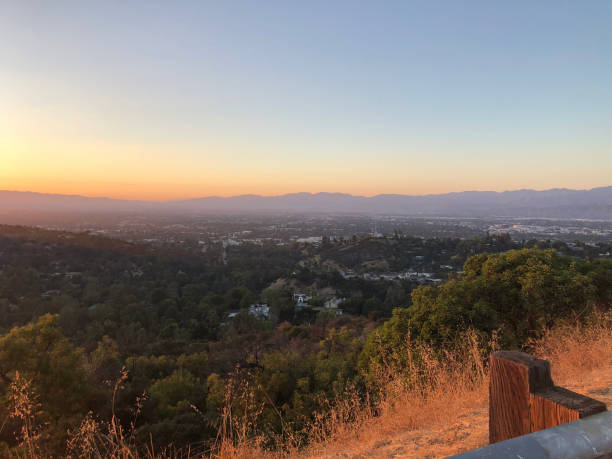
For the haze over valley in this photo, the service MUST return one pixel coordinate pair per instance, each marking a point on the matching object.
(555, 203)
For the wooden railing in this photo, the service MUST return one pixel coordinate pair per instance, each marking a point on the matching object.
(531, 417)
(524, 399)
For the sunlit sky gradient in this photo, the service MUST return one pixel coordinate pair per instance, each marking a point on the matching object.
(164, 100)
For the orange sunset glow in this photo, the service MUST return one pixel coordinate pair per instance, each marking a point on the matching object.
(99, 112)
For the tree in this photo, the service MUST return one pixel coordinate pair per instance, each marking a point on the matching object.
(174, 391)
(41, 354)
(385, 347)
(521, 292)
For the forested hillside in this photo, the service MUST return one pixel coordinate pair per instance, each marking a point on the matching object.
(79, 313)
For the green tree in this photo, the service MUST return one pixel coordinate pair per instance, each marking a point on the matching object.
(41, 354)
(174, 391)
(384, 350)
(520, 292)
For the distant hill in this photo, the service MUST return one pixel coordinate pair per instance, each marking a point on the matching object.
(42, 202)
(556, 203)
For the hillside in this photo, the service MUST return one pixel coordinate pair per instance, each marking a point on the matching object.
(448, 413)
(135, 342)
(462, 425)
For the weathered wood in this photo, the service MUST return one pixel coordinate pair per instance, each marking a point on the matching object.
(513, 376)
(556, 405)
(523, 398)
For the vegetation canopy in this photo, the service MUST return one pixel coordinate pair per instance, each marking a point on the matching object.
(137, 343)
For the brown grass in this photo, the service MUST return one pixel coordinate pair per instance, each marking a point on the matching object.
(438, 387)
(25, 408)
(575, 350)
(441, 409)
(437, 408)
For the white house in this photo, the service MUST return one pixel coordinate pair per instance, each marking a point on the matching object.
(260, 311)
(301, 299)
(333, 302)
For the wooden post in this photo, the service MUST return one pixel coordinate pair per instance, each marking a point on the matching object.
(523, 398)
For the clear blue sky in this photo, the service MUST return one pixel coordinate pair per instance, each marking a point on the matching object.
(181, 99)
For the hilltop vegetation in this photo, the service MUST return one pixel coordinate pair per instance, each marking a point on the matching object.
(76, 309)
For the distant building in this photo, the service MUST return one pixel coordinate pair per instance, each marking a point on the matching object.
(333, 302)
(348, 274)
(310, 240)
(409, 275)
(260, 311)
(301, 299)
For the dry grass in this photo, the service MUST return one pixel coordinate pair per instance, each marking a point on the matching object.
(93, 439)
(575, 350)
(438, 388)
(25, 408)
(439, 409)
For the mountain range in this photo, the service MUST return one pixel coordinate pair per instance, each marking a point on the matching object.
(595, 203)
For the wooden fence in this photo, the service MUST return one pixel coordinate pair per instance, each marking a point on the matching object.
(530, 417)
(523, 398)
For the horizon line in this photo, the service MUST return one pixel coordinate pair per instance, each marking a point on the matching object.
(299, 193)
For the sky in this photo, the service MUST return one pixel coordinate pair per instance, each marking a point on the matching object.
(166, 100)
